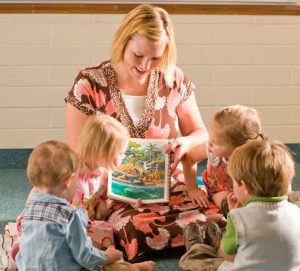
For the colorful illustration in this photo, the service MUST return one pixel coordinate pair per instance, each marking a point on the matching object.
(143, 172)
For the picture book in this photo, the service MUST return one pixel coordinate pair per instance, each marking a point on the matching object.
(143, 173)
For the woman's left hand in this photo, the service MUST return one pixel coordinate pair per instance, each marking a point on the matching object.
(179, 147)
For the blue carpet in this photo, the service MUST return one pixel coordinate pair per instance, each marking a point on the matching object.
(14, 188)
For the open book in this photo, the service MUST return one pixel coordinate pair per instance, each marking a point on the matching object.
(143, 173)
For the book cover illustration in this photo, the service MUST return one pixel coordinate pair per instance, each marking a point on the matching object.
(143, 173)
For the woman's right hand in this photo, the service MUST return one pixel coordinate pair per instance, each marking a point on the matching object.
(199, 197)
(113, 255)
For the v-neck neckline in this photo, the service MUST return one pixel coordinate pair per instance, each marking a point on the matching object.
(142, 126)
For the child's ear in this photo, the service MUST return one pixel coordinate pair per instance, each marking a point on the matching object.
(245, 188)
(67, 181)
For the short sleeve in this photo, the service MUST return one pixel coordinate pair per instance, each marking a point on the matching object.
(186, 90)
(81, 96)
(229, 240)
(90, 92)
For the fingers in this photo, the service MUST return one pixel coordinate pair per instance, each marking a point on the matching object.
(136, 204)
(174, 144)
(174, 147)
(178, 155)
(199, 198)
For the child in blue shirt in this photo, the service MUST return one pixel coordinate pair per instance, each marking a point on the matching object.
(53, 231)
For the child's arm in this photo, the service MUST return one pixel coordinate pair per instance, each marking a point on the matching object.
(190, 161)
(81, 247)
(228, 246)
(229, 243)
(113, 254)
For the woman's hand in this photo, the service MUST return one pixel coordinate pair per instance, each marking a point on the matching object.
(199, 197)
(179, 147)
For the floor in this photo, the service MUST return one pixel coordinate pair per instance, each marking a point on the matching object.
(14, 188)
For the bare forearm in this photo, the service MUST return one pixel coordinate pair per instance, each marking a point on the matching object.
(190, 172)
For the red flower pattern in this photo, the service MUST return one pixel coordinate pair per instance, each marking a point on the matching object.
(142, 221)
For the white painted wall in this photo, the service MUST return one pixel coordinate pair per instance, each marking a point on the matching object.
(251, 60)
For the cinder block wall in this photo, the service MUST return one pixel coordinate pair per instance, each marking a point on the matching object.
(251, 60)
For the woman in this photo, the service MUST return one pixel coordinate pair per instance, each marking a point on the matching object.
(138, 87)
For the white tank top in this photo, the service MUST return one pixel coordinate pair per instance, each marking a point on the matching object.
(135, 106)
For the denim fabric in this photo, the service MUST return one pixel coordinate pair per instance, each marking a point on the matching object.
(54, 237)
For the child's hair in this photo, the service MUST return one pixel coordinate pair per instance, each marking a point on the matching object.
(100, 140)
(266, 167)
(238, 124)
(50, 163)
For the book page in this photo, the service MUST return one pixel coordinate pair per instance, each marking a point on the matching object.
(143, 173)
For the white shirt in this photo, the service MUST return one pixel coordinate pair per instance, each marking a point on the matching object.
(135, 106)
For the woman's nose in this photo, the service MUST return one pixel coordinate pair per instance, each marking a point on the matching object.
(145, 65)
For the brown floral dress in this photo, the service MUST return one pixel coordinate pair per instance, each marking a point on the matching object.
(153, 227)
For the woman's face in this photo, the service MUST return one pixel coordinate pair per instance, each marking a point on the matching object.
(142, 55)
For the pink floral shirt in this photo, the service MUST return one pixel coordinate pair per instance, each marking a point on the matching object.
(96, 90)
(91, 191)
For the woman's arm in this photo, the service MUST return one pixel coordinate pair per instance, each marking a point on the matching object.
(192, 128)
(190, 161)
(75, 121)
(191, 147)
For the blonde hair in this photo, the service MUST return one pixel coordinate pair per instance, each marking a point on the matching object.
(237, 124)
(153, 23)
(50, 163)
(100, 140)
(267, 167)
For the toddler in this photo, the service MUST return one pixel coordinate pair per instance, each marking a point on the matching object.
(101, 147)
(264, 233)
(53, 231)
(229, 128)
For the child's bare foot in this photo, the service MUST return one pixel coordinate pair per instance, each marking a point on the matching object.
(145, 266)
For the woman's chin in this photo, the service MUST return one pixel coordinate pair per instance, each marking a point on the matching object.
(140, 75)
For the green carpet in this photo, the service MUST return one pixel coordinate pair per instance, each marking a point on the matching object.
(14, 188)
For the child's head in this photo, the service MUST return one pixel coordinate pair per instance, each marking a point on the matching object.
(102, 142)
(265, 167)
(231, 127)
(50, 164)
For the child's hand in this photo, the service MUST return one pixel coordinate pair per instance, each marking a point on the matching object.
(232, 201)
(137, 204)
(199, 197)
(113, 255)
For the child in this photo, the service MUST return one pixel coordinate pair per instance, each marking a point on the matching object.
(264, 233)
(101, 146)
(54, 232)
(229, 128)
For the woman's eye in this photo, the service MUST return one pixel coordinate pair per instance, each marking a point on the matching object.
(138, 56)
